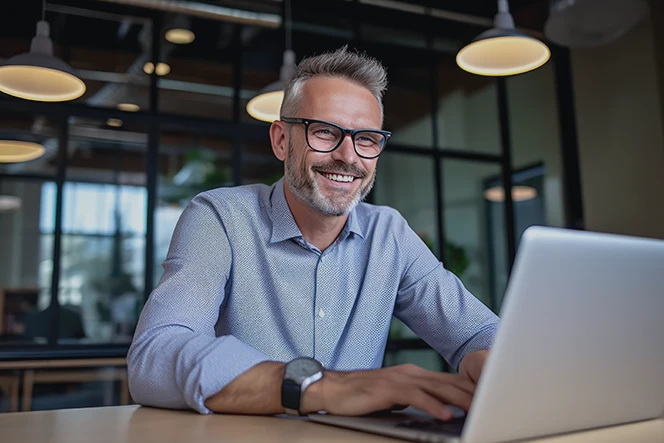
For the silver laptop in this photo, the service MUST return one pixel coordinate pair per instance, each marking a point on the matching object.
(580, 346)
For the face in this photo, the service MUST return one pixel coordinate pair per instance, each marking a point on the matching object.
(332, 183)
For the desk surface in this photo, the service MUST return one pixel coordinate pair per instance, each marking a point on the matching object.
(140, 424)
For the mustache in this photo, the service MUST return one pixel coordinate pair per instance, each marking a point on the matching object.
(340, 168)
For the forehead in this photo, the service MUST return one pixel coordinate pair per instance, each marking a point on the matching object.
(340, 101)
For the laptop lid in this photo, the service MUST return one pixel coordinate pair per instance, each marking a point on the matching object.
(581, 341)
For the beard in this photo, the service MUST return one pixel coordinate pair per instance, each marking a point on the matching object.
(303, 184)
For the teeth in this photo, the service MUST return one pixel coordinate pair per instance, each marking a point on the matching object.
(340, 178)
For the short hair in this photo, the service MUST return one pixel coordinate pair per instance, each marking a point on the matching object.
(356, 67)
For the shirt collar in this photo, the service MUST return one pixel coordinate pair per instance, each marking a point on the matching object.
(283, 223)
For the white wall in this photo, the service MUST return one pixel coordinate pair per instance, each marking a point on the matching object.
(619, 119)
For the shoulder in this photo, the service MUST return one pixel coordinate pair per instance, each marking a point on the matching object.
(372, 217)
(237, 200)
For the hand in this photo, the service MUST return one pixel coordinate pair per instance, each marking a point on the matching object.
(363, 392)
(472, 364)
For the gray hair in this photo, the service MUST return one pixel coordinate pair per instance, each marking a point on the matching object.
(356, 67)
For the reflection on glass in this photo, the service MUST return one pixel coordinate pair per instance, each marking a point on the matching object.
(527, 212)
(189, 164)
(26, 259)
(103, 231)
(406, 183)
(535, 136)
(470, 230)
(467, 110)
(24, 127)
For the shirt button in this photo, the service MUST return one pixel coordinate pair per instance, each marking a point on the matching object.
(321, 313)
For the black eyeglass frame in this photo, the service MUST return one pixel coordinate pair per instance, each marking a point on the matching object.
(345, 131)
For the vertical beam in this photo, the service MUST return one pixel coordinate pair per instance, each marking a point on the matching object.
(506, 150)
(238, 140)
(60, 177)
(568, 136)
(152, 161)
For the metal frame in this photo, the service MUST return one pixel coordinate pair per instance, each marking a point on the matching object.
(240, 132)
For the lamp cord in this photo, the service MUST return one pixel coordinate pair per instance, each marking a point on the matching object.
(43, 10)
(503, 6)
(287, 23)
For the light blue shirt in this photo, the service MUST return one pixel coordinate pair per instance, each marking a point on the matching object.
(241, 285)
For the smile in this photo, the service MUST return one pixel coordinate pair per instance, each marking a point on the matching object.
(338, 177)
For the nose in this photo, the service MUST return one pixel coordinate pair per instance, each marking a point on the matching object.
(346, 151)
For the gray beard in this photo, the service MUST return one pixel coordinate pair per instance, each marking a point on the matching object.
(306, 189)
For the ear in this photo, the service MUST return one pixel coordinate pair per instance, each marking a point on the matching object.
(279, 139)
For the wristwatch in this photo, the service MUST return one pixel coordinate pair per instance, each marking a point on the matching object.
(300, 373)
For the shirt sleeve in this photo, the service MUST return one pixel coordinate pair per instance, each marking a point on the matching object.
(176, 360)
(434, 303)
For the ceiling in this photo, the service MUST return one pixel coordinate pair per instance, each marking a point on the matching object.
(109, 43)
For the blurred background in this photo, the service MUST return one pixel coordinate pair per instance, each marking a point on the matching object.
(473, 161)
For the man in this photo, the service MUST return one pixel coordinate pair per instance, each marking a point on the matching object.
(257, 276)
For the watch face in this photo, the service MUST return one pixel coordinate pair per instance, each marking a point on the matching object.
(301, 368)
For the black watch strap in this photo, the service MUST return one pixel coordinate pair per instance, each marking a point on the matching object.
(290, 397)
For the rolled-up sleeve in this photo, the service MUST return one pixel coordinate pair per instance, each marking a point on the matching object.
(176, 360)
(434, 303)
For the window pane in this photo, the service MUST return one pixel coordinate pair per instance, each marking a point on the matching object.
(26, 261)
(473, 229)
(259, 163)
(188, 165)
(467, 110)
(26, 127)
(104, 221)
(535, 138)
(406, 182)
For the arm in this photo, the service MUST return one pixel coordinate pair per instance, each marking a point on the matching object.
(472, 364)
(438, 308)
(258, 391)
(175, 360)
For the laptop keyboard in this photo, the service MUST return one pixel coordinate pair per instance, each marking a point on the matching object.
(453, 426)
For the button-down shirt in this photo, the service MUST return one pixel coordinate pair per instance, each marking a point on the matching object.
(241, 285)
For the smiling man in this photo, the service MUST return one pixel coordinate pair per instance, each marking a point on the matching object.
(279, 299)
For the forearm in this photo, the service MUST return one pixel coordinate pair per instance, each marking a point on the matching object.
(256, 391)
(173, 367)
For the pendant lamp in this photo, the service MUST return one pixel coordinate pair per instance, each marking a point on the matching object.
(267, 104)
(39, 75)
(16, 151)
(519, 193)
(502, 51)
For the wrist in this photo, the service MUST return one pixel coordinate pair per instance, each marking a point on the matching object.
(312, 397)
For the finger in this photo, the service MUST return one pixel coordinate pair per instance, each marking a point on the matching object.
(449, 394)
(420, 399)
(459, 381)
(462, 383)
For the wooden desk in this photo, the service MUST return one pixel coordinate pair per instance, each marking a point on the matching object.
(140, 424)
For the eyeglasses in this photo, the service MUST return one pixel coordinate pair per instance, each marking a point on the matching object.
(324, 136)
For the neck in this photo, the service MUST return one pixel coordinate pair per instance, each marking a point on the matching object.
(318, 229)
